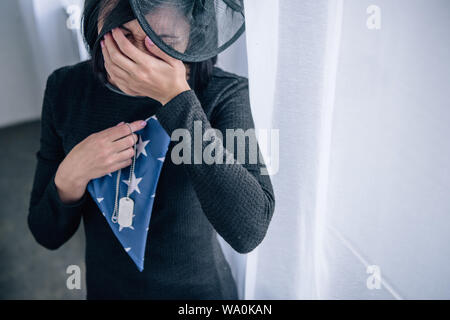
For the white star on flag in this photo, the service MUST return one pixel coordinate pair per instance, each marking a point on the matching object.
(134, 184)
(141, 147)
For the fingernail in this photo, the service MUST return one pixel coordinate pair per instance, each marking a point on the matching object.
(120, 123)
(143, 123)
(149, 41)
(102, 43)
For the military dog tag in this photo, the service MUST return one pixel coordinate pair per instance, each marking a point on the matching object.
(125, 215)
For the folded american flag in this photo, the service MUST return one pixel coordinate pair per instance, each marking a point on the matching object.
(151, 150)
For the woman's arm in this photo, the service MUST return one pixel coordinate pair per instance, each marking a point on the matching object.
(236, 198)
(51, 221)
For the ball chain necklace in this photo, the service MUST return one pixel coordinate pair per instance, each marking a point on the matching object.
(123, 214)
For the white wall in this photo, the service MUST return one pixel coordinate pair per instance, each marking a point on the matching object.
(35, 42)
(389, 201)
(19, 93)
(53, 44)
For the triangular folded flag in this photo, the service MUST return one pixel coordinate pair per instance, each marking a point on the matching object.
(151, 150)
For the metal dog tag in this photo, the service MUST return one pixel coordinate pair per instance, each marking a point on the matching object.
(125, 215)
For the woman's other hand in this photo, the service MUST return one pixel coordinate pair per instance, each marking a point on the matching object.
(99, 154)
(155, 75)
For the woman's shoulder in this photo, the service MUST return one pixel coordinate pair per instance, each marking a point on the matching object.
(80, 72)
(66, 87)
(70, 84)
(221, 73)
(227, 94)
(225, 77)
(224, 84)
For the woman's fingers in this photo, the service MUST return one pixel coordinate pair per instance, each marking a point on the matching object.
(113, 70)
(126, 46)
(152, 48)
(118, 132)
(124, 155)
(125, 143)
(117, 75)
(120, 165)
(116, 56)
(111, 67)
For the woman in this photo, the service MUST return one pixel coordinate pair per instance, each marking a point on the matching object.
(80, 141)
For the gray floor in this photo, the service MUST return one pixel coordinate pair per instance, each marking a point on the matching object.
(27, 270)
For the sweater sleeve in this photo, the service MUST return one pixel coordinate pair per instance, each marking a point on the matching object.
(236, 198)
(51, 221)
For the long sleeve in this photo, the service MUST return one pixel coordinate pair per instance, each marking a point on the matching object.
(236, 198)
(51, 221)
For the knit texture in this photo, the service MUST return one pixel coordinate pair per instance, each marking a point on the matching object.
(193, 202)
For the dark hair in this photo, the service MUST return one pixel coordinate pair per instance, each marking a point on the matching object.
(115, 13)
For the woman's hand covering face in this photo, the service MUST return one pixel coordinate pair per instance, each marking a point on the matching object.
(153, 74)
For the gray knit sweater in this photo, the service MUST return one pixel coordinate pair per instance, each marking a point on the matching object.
(183, 259)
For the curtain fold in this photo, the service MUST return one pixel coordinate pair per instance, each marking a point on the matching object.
(289, 264)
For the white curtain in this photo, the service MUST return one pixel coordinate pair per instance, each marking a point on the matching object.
(361, 104)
